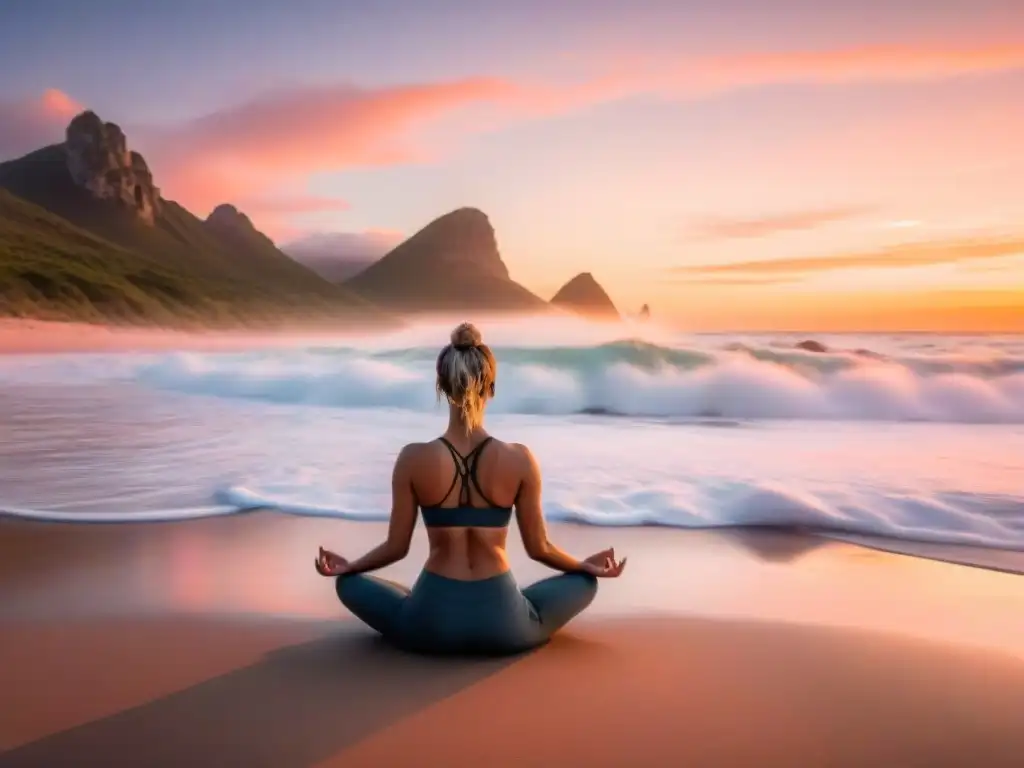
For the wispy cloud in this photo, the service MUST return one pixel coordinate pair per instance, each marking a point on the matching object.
(28, 124)
(736, 282)
(866, 63)
(292, 204)
(281, 137)
(286, 135)
(907, 255)
(1014, 263)
(297, 132)
(705, 75)
(275, 140)
(723, 228)
(275, 213)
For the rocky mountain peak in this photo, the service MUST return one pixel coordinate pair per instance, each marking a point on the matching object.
(100, 162)
(585, 296)
(227, 216)
(462, 239)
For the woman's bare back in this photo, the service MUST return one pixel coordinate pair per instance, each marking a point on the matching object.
(467, 552)
(465, 486)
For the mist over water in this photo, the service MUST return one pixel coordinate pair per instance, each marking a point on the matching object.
(914, 437)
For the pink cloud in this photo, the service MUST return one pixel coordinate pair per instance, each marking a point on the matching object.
(243, 153)
(291, 204)
(29, 124)
(915, 254)
(722, 228)
(688, 77)
(868, 63)
(273, 213)
(283, 136)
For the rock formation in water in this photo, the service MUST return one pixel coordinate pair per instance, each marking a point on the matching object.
(810, 345)
(99, 161)
(453, 263)
(585, 296)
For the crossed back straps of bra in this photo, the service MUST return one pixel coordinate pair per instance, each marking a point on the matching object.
(465, 514)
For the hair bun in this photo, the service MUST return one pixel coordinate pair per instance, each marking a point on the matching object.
(467, 336)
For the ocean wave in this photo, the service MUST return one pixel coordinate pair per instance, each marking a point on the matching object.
(728, 378)
(632, 378)
(959, 518)
(983, 520)
(134, 516)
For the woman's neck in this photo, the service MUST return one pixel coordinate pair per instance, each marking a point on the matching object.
(457, 426)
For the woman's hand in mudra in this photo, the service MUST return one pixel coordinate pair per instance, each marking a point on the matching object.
(603, 565)
(330, 564)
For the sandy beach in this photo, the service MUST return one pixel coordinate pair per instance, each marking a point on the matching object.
(212, 642)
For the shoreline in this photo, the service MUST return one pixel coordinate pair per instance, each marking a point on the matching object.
(206, 566)
(1009, 561)
(996, 560)
(213, 642)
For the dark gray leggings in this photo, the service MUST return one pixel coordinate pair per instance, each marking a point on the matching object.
(489, 616)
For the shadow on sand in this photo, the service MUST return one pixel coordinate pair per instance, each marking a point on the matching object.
(297, 706)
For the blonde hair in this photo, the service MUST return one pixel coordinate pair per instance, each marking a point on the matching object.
(466, 370)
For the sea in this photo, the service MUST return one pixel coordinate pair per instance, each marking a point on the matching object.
(910, 442)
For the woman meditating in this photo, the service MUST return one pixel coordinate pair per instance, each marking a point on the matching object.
(466, 484)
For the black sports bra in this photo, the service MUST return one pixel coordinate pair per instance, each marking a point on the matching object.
(465, 514)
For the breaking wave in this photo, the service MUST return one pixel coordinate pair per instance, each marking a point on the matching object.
(973, 519)
(631, 378)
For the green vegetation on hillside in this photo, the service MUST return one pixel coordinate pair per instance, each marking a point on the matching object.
(65, 254)
(54, 270)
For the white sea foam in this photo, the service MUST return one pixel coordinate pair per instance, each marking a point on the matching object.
(949, 518)
(982, 520)
(912, 438)
(135, 516)
(626, 378)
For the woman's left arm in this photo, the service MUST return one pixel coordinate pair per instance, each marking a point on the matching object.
(400, 527)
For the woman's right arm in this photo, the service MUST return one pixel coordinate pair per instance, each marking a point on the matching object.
(530, 518)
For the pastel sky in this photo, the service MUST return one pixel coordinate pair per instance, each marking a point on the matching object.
(735, 163)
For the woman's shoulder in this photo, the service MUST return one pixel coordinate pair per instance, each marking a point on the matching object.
(517, 454)
(412, 452)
